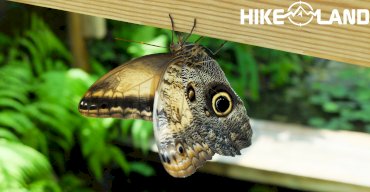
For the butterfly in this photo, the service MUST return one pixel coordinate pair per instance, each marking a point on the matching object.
(194, 110)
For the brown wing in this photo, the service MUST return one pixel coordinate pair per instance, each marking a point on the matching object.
(127, 91)
(182, 151)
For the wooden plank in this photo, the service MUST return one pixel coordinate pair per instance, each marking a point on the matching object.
(77, 42)
(301, 158)
(221, 19)
(280, 179)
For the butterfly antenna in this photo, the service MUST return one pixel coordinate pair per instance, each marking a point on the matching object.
(192, 29)
(173, 28)
(173, 31)
(140, 42)
(214, 53)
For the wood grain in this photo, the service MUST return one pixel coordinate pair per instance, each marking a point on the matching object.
(221, 19)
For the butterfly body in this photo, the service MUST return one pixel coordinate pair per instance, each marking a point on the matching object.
(195, 111)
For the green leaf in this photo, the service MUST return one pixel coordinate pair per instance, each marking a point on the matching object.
(136, 129)
(6, 93)
(141, 133)
(72, 183)
(118, 157)
(5, 40)
(22, 166)
(93, 137)
(52, 126)
(126, 126)
(248, 70)
(36, 59)
(145, 136)
(8, 135)
(11, 104)
(331, 107)
(15, 121)
(142, 168)
(44, 185)
(98, 67)
(95, 166)
(317, 122)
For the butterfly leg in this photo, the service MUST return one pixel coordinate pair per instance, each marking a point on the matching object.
(222, 45)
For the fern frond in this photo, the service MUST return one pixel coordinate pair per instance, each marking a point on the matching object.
(15, 121)
(6, 93)
(8, 103)
(8, 135)
(21, 167)
(49, 125)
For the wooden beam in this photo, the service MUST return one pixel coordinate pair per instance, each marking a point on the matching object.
(279, 179)
(77, 41)
(221, 19)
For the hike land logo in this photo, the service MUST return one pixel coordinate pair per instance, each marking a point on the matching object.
(301, 13)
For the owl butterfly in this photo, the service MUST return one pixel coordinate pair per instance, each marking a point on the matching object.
(195, 111)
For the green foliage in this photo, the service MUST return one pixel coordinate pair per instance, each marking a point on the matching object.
(141, 133)
(39, 96)
(248, 69)
(27, 117)
(142, 168)
(345, 100)
(73, 183)
(44, 50)
(24, 169)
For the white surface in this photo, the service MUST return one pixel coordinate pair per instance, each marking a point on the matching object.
(339, 156)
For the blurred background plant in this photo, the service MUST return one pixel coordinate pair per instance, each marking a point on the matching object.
(46, 145)
(40, 126)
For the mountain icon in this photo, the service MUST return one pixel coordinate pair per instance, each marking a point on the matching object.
(300, 11)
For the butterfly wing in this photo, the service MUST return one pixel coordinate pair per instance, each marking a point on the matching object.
(220, 117)
(182, 151)
(127, 91)
(192, 120)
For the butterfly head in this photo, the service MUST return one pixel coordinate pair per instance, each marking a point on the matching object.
(178, 48)
(175, 47)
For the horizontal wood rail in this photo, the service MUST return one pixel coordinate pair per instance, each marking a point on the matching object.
(221, 19)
